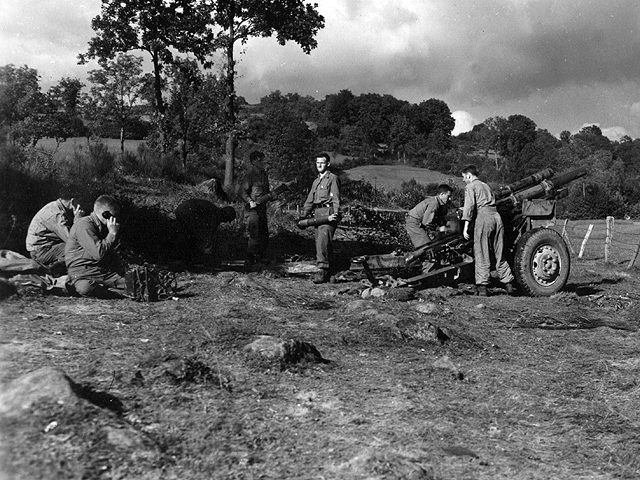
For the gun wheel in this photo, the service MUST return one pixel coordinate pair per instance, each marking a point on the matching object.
(541, 262)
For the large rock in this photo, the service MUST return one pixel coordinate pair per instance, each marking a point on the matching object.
(287, 351)
(46, 383)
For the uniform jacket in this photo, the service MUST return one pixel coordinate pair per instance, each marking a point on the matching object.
(254, 184)
(477, 195)
(90, 249)
(50, 225)
(430, 211)
(325, 192)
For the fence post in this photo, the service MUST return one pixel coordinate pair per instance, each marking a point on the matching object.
(566, 237)
(635, 256)
(584, 242)
(607, 241)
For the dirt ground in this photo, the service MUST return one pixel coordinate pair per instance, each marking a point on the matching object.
(428, 384)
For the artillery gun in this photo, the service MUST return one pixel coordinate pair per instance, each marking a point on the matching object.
(538, 254)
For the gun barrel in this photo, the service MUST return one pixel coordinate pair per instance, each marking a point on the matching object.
(524, 183)
(545, 189)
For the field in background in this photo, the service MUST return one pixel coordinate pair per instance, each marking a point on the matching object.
(390, 177)
(68, 147)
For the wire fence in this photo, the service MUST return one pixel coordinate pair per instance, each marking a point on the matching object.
(610, 239)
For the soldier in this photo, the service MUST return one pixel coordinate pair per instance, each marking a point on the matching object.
(255, 185)
(428, 217)
(324, 199)
(94, 268)
(488, 233)
(200, 219)
(49, 231)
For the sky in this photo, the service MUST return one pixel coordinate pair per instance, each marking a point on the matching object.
(564, 64)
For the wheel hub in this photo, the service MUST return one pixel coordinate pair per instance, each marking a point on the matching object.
(546, 265)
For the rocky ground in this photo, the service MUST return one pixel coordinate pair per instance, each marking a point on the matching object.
(263, 374)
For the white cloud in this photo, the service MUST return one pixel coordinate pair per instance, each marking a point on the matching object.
(614, 133)
(464, 122)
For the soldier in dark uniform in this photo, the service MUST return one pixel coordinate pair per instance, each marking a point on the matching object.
(254, 190)
(324, 199)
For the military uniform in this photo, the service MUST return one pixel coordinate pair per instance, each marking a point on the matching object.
(48, 233)
(254, 185)
(92, 261)
(424, 217)
(323, 199)
(488, 233)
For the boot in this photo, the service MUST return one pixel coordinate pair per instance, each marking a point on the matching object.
(322, 276)
(481, 291)
(510, 288)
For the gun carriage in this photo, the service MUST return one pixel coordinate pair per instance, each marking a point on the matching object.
(537, 253)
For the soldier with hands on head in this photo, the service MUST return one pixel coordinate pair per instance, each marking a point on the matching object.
(49, 230)
(324, 200)
(94, 267)
(488, 232)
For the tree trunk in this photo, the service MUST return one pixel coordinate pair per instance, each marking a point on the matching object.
(230, 148)
(122, 140)
(160, 106)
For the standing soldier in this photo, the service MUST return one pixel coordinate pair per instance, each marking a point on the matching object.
(488, 233)
(324, 200)
(253, 190)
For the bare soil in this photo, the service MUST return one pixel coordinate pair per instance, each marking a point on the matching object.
(509, 388)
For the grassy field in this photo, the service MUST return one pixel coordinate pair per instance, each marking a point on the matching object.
(67, 148)
(390, 177)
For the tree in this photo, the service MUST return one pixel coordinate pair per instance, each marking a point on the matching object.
(20, 99)
(116, 91)
(239, 20)
(157, 27)
(289, 145)
(194, 108)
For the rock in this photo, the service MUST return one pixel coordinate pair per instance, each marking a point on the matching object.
(411, 328)
(401, 294)
(481, 306)
(445, 363)
(366, 293)
(287, 351)
(356, 305)
(427, 308)
(46, 383)
(389, 464)
(378, 292)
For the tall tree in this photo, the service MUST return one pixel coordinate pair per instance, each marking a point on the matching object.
(116, 90)
(239, 20)
(20, 97)
(158, 27)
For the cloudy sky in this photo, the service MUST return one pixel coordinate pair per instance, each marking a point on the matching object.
(562, 63)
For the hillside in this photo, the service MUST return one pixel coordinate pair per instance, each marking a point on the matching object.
(390, 177)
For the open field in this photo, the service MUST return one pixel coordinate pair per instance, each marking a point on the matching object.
(390, 177)
(67, 148)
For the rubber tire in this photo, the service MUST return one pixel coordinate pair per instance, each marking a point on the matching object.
(525, 264)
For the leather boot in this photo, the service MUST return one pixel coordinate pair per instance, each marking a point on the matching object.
(510, 288)
(481, 291)
(322, 276)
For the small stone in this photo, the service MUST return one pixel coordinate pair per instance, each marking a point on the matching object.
(378, 292)
(366, 293)
(427, 308)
